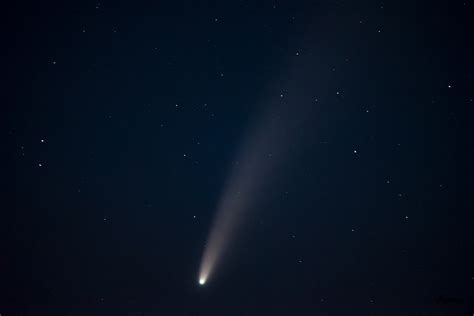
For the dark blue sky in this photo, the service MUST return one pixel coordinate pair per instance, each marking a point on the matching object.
(122, 120)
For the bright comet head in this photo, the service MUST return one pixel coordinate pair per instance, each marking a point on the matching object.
(202, 281)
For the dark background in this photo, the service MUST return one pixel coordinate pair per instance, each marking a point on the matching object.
(108, 189)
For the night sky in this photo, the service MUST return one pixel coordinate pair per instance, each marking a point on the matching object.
(123, 122)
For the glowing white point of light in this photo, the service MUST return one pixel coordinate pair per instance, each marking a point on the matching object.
(202, 281)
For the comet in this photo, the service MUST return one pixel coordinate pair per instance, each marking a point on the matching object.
(265, 148)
